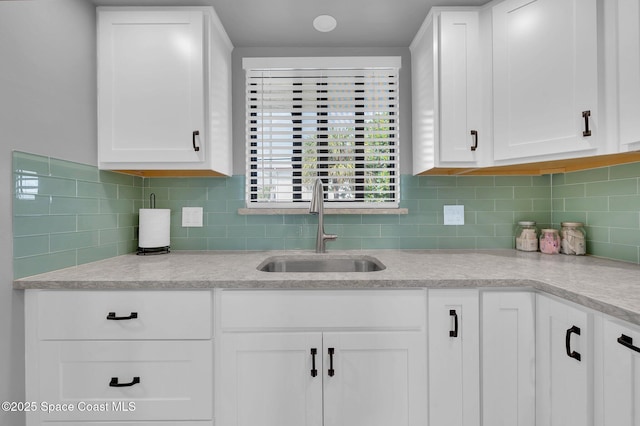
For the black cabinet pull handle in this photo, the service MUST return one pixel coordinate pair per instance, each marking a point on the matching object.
(195, 133)
(314, 372)
(567, 343)
(474, 133)
(112, 316)
(586, 115)
(331, 371)
(454, 332)
(114, 382)
(627, 342)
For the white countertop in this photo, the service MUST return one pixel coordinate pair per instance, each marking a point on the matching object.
(607, 286)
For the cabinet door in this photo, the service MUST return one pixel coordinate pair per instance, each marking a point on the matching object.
(622, 69)
(151, 90)
(454, 353)
(545, 76)
(446, 92)
(184, 423)
(423, 98)
(378, 379)
(621, 347)
(564, 364)
(266, 379)
(459, 94)
(508, 358)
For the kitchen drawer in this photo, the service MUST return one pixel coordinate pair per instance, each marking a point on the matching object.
(82, 314)
(242, 310)
(185, 423)
(175, 379)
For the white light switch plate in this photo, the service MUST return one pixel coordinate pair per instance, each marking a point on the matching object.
(454, 215)
(192, 217)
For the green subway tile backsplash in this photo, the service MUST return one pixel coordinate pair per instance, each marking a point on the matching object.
(66, 213)
(80, 214)
(607, 200)
(486, 217)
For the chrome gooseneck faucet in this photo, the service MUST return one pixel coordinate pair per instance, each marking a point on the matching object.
(317, 207)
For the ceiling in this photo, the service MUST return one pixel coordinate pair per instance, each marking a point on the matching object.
(288, 23)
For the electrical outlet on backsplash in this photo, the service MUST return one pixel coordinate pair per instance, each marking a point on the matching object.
(67, 213)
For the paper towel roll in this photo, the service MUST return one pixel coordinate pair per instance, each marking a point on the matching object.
(154, 228)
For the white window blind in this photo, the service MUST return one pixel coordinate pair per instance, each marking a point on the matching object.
(339, 123)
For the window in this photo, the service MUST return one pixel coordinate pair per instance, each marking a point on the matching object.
(332, 118)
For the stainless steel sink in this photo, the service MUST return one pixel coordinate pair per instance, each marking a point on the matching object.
(321, 263)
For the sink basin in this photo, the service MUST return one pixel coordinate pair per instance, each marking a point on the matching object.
(321, 263)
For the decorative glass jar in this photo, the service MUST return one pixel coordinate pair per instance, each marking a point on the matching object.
(526, 236)
(574, 238)
(549, 241)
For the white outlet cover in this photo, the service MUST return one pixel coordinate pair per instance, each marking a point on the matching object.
(454, 215)
(192, 217)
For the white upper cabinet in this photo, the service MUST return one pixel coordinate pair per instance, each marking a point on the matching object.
(446, 79)
(622, 71)
(545, 80)
(164, 90)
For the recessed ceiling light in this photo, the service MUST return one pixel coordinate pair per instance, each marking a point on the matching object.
(325, 23)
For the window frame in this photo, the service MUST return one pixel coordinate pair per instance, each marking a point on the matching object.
(325, 63)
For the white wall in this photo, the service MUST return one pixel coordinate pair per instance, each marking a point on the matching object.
(48, 107)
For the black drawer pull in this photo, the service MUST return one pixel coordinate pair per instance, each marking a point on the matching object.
(567, 343)
(474, 134)
(454, 332)
(314, 371)
(193, 140)
(586, 115)
(627, 342)
(112, 316)
(114, 382)
(331, 371)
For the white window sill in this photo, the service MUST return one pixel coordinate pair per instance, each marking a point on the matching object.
(267, 211)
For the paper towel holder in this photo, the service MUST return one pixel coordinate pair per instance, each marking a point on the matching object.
(161, 248)
(142, 251)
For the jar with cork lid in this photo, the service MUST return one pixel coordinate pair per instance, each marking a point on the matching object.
(526, 236)
(574, 238)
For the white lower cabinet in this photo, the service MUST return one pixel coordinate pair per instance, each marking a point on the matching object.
(331, 376)
(270, 379)
(376, 379)
(106, 380)
(508, 358)
(119, 357)
(280, 379)
(401, 357)
(565, 363)
(621, 373)
(454, 358)
(153, 423)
